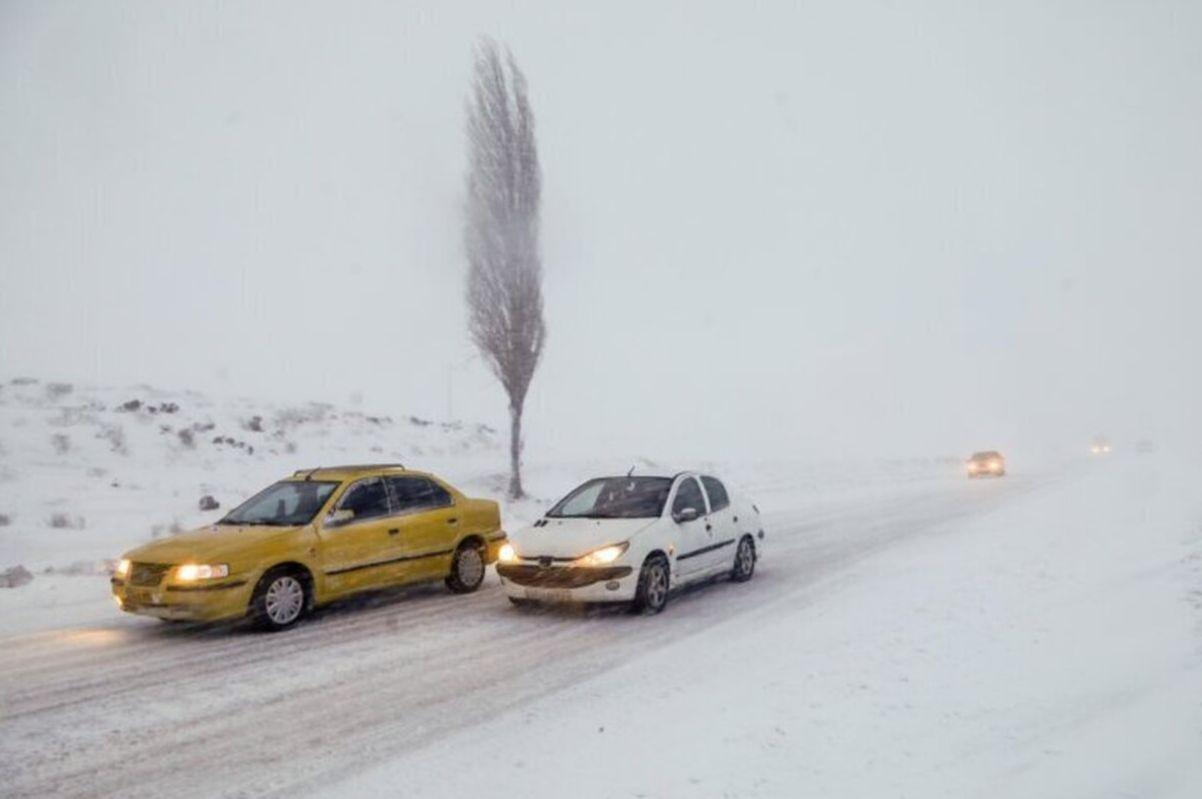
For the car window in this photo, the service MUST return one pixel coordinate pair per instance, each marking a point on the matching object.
(417, 493)
(287, 503)
(367, 499)
(689, 496)
(716, 492)
(581, 501)
(615, 498)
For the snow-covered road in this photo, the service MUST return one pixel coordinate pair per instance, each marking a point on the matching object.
(134, 704)
(131, 707)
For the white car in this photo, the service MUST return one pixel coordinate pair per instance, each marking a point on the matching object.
(632, 539)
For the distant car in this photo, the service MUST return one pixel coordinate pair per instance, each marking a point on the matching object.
(633, 539)
(1099, 446)
(986, 464)
(319, 535)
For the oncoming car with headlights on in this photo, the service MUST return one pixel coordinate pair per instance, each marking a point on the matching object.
(986, 464)
(633, 539)
(317, 536)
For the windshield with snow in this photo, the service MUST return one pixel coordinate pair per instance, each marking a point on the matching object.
(285, 504)
(616, 498)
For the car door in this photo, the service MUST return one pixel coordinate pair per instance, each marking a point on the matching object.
(429, 525)
(724, 526)
(360, 539)
(694, 547)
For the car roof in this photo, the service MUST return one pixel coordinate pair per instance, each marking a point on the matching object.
(656, 474)
(352, 470)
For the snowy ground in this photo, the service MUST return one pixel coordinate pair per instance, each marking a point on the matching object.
(910, 633)
(1047, 647)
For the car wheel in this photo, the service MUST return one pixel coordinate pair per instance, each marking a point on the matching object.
(652, 592)
(280, 599)
(744, 561)
(467, 568)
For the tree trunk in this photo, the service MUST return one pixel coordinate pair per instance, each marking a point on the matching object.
(515, 452)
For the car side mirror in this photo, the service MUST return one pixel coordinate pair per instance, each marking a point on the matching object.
(685, 515)
(340, 516)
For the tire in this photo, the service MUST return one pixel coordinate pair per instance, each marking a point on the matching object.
(654, 583)
(745, 558)
(281, 599)
(467, 568)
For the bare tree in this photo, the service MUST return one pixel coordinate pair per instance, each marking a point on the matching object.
(504, 285)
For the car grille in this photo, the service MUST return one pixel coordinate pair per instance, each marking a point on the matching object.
(147, 573)
(560, 576)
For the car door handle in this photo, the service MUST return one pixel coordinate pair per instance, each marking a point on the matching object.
(452, 520)
(394, 531)
(709, 528)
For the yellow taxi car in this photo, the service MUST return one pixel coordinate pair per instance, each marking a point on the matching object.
(319, 535)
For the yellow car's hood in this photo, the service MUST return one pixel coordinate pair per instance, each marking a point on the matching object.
(215, 543)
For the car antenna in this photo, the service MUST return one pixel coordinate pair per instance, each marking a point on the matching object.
(629, 473)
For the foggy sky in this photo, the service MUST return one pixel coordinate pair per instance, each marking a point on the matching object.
(778, 228)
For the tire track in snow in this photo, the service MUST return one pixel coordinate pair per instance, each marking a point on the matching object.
(141, 708)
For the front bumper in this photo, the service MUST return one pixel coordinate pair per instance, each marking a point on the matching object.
(568, 583)
(222, 599)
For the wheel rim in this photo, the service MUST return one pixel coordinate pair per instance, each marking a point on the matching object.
(471, 566)
(284, 600)
(657, 586)
(746, 558)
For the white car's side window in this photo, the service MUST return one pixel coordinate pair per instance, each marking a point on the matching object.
(688, 495)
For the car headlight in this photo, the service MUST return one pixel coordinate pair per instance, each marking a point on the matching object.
(122, 568)
(604, 555)
(506, 554)
(191, 572)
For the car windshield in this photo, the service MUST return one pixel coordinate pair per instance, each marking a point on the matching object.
(616, 498)
(985, 456)
(286, 504)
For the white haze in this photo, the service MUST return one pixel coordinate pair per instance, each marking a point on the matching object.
(786, 228)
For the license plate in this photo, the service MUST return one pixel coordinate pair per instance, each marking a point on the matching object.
(549, 594)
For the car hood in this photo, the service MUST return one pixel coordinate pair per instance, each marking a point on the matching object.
(210, 544)
(571, 538)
